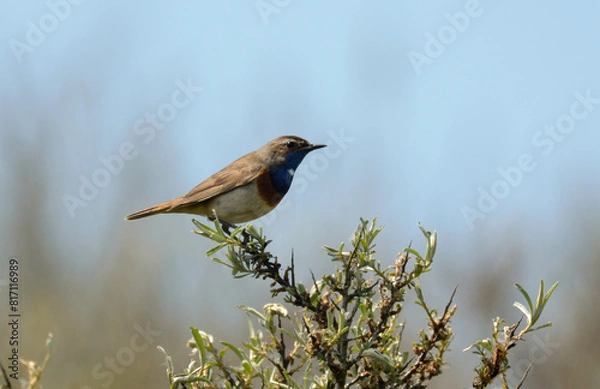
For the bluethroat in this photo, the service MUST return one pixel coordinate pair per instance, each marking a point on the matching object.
(246, 189)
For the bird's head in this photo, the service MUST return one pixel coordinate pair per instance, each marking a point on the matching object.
(289, 150)
(283, 156)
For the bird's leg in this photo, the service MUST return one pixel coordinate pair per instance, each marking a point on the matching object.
(226, 226)
(245, 237)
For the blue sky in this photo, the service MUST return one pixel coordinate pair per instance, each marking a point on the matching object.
(419, 141)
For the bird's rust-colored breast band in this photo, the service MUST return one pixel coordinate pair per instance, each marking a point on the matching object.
(266, 190)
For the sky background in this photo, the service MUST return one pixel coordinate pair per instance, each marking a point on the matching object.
(426, 109)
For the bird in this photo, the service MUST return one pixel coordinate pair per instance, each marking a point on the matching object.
(248, 188)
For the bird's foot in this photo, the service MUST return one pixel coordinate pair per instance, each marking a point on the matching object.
(226, 226)
(246, 238)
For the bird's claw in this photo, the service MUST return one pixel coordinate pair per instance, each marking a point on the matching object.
(226, 226)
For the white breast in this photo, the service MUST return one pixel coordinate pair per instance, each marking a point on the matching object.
(240, 205)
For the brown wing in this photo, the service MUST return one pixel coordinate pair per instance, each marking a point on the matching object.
(238, 173)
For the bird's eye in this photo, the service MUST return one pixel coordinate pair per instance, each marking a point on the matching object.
(291, 144)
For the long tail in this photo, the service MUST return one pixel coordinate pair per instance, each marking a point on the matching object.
(160, 208)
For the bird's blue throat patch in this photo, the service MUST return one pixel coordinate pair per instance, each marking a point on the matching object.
(282, 175)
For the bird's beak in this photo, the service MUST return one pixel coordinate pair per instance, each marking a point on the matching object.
(314, 147)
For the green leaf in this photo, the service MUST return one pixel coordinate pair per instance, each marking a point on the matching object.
(413, 252)
(198, 224)
(526, 295)
(549, 293)
(223, 263)
(215, 249)
(247, 366)
(200, 344)
(486, 344)
(331, 250)
(251, 230)
(236, 351)
(216, 234)
(431, 243)
(523, 309)
(169, 362)
(541, 295)
(379, 356)
(252, 311)
(549, 324)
